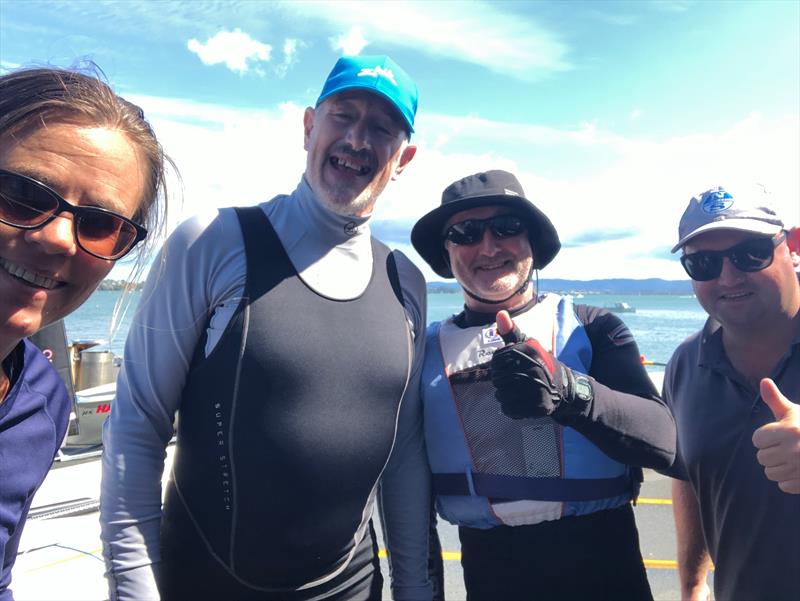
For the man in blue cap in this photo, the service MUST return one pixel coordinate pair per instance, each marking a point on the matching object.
(291, 342)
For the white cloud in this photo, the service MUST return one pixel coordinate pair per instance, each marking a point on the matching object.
(350, 43)
(636, 114)
(482, 33)
(231, 156)
(491, 34)
(236, 49)
(8, 66)
(290, 48)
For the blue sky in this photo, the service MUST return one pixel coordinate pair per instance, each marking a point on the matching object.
(612, 114)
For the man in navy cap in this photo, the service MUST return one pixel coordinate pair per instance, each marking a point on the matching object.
(291, 342)
(536, 440)
(734, 389)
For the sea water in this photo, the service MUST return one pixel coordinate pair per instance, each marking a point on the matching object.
(659, 324)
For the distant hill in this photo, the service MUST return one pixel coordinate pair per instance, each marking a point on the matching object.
(117, 285)
(609, 286)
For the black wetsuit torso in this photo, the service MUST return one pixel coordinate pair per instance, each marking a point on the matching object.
(285, 429)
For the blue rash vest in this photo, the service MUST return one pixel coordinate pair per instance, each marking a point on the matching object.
(33, 422)
(489, 469)
(286, 427)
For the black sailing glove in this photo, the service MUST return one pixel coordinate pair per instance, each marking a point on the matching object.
(530, 382)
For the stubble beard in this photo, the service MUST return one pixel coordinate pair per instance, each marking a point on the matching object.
(342, 203)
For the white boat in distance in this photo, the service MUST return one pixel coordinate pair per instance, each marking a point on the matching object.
(621, 308)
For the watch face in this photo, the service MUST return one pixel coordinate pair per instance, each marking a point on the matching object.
(583, 388)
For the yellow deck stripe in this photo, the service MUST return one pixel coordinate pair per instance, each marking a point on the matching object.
(662, 564)
(646, 501)
(65, 560)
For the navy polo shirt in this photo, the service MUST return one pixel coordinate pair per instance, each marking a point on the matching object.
(33, 421)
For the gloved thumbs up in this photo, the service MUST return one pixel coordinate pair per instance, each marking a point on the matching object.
(508, 330)
(529, 381)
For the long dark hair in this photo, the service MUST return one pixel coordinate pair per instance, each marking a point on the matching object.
(31, 98)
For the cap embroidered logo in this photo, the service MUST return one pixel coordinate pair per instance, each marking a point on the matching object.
(376, 72)
(717, 201)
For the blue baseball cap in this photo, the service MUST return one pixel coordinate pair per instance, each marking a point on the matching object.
(379, 74)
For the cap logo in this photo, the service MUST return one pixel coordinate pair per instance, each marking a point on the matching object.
(510, 192)
(717, 202)
(378, 72)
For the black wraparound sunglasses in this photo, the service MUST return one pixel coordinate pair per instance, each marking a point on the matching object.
(470, 231)
(751, 255)
(28, 204)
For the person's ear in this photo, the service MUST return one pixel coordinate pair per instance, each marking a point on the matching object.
(405, 158)
(308, 125)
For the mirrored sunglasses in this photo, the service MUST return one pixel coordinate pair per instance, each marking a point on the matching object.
(751, 255)
(28, 204)
(470, 231)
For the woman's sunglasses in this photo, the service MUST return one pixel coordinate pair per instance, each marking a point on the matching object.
(470, 231)
(29, 205)
(751, 255)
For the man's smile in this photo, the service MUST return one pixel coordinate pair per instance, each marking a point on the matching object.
(350, 164)
(495, 265)
(735, 296)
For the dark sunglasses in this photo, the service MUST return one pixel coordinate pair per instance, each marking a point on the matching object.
(29, 205)
(751, 255)
(470, 231)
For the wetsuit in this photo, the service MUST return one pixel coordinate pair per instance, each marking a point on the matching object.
(190, 308)
(529, 546)
(33, 422)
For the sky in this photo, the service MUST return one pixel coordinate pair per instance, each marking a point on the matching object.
(611, 114)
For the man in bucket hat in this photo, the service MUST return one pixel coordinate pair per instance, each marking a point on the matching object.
(734, 389)
(537, 428)
(291, 342)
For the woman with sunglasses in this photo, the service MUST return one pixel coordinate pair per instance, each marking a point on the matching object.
(80, 174)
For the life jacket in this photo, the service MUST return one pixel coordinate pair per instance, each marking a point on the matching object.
(490, 469)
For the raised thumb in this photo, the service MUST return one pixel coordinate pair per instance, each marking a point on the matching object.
(777, 403)
(506, 328)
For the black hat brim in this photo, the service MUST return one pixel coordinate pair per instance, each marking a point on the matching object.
(426, 235)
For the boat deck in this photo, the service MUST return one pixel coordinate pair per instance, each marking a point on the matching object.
(60, 553)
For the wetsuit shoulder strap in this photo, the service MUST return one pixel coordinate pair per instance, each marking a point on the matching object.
(267, 261)
(384, 257)
(267, 265)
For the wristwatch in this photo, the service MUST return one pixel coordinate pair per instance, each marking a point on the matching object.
(583, 388)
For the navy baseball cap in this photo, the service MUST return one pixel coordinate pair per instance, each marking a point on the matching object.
(379, 74)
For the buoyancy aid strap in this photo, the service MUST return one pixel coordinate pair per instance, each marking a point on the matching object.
(494, 486)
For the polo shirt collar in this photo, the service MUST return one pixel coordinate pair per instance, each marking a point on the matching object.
(712, 352)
